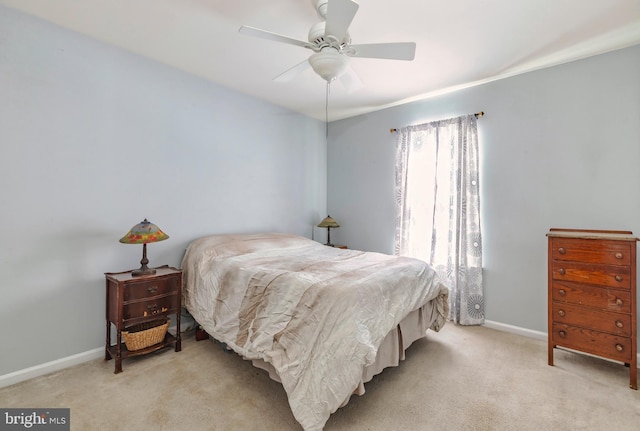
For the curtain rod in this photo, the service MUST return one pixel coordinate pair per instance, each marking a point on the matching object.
(477, 114)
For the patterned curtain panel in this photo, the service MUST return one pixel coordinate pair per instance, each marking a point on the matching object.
(438, 208)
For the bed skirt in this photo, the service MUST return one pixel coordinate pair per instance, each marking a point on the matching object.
(391, 351)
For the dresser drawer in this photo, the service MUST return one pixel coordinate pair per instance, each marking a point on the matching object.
(592, 250)
(603, 321)
(152, 307)
(603, 275)
(598, 343)
(592, 296)
(148, 289)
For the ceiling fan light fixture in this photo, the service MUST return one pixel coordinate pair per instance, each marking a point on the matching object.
(329, 63)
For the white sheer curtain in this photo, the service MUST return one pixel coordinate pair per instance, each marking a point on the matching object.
(438, 208)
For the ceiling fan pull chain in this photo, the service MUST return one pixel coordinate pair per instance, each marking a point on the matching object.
(326, 110)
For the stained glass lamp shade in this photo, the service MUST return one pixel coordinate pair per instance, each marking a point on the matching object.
(329, 223)
(144, 233)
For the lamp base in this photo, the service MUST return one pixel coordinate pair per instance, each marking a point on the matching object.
(143, 271)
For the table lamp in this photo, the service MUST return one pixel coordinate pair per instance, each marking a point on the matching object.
(144, 233)
(329, 223)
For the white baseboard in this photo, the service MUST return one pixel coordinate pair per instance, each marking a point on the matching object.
(542, 336)
(50, 367)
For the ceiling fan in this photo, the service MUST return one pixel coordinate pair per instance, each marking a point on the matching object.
(330, 41)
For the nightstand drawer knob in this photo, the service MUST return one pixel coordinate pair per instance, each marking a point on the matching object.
(152, 307)
(618, 255)
(619, 347)
(619, 301)
(562, 292)
(152, 289)
(618, 278)
(561, 271)
(562, 313)
(619, 324)
(561, 250)
(562, 334)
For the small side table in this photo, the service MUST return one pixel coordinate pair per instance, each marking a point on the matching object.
(132, 300)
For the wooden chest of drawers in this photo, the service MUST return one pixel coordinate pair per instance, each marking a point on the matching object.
(592, 294)
(132, 300)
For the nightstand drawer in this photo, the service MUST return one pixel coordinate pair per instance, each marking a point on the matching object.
(154, 307)
(591, 250)
(603, 321)
(603, 275)
(148, 289)
(592, 296)
(595, 342)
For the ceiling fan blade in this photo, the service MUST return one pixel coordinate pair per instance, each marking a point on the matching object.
(263, 34)
(391, 51)
(291, 73)
(340, 13)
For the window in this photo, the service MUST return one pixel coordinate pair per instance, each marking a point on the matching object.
(438, 208)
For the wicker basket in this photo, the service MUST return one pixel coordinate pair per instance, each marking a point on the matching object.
(145, 334)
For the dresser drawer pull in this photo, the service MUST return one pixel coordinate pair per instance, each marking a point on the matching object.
(618, 278)
(561, 271)
(619, 347)
(619, 324)
(562, 292)
(152, 289)
(618, 255)
(561, 250)
(561, 313)
(619, 301)
(562, 334)
(152, 307)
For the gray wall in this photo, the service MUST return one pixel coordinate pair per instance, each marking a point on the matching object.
(560, 147)
(94, 139)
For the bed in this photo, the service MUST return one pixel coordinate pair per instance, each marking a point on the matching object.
(321, 320)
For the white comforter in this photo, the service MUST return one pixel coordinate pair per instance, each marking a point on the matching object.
(317, 314)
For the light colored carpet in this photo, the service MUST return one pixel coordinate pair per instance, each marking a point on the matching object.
(462, 378)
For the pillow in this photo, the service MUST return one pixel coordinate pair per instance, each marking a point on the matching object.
(213, 246)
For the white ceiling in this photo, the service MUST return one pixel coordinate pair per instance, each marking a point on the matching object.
(459, 42)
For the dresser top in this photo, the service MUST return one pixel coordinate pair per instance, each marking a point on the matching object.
(617, 235)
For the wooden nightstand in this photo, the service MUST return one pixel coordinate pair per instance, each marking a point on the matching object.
(133, 300)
